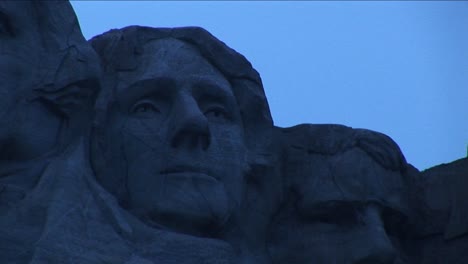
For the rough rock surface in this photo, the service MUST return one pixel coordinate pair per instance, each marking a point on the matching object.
(443, 212)
(346, 198)
(156, 145)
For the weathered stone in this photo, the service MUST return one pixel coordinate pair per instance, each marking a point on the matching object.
(347, 198)
(49, 74)
(443, 212)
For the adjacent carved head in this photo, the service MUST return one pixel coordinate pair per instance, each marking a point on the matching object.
(48, 73)
(174, 139)
(348, 200)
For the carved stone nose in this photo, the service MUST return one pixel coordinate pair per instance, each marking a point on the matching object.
(192, 132)
(375, 246)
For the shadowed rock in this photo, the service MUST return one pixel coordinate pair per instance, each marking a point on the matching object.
(48, 75)
(346, 198)
(443, 212)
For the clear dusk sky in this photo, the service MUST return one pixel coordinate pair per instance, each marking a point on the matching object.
(397, 67)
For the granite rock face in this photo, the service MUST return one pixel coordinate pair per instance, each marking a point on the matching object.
(347, 198)
(443, 212)
(49, 76)
(156, 145)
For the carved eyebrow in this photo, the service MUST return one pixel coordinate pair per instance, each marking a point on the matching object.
(209, 90)
(160, 87)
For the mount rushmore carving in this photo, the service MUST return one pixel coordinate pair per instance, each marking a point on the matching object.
(156, 145)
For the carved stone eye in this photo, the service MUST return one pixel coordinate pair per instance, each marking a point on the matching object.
(218, 113)
(145, 107)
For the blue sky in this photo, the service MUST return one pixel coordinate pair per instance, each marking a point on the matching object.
(400, 68)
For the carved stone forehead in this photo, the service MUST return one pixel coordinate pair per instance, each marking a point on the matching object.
(168, 47)
(175, 54)
(172, 58)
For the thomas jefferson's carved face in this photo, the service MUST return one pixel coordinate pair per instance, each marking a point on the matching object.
(180, 134)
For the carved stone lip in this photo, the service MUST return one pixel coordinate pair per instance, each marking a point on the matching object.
(187, 169)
